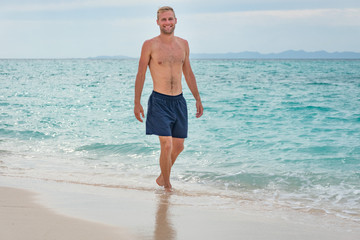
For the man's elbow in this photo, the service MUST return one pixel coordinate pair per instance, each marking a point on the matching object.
(141, 74)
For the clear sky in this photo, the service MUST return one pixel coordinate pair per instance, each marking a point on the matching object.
(88, 28)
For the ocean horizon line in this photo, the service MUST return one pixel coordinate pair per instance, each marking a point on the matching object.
(245, 55)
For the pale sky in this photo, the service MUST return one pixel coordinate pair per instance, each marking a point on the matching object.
(89, 28)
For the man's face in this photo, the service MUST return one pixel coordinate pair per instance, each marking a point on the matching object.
(167, 22)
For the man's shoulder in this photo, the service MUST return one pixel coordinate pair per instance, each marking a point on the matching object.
(148, 45)
(181, 40)
(183, 43)
(152, 40)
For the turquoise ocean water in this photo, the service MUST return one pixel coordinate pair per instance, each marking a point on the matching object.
(277, 132)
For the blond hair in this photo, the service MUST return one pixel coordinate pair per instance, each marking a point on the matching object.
(164, 9)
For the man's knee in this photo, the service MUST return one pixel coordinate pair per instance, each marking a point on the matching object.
(166, 144)
(178, 147)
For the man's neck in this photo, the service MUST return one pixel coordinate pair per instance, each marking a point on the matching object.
(167, 38)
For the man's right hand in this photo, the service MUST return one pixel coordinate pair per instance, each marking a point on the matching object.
(138, 109)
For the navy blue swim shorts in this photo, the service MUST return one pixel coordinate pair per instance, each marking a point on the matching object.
(167, 115)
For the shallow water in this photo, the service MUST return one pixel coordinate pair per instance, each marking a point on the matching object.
(282, 132)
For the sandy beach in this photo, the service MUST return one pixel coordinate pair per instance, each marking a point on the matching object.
(21, 218)
(36, 209)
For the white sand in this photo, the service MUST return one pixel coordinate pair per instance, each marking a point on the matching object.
(149, 215)
(21, 218)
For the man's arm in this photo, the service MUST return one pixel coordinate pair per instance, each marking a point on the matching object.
(191, 81)
(140, 79)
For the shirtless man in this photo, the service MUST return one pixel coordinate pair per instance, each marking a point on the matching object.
(168, 58)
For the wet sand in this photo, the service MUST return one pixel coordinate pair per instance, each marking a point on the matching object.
(21, 218)
(53, 210)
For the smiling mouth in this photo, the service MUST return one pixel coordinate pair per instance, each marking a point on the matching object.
(168, 29)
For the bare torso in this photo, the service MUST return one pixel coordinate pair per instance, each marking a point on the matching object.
(166, 65)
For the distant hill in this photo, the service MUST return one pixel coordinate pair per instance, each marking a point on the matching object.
(291, 54)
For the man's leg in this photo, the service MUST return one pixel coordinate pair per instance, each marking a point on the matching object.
(165, 160)
(177, 148)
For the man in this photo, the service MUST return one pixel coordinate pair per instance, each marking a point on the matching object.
(168, 58)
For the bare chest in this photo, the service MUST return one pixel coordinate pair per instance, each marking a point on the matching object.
(169, 55)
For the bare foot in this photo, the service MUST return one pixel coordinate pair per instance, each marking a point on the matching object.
(160, 181)
(168, 189)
